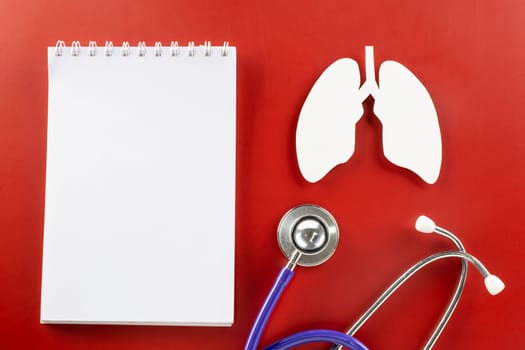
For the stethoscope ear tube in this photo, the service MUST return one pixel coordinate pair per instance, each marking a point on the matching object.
(305, 231)
(425, 225)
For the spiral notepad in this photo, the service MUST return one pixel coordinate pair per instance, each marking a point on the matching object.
(140, 185)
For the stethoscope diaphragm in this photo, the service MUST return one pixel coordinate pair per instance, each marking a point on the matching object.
(310, 230)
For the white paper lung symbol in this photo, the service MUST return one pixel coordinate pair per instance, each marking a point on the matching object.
(326, 131)
(326, 128)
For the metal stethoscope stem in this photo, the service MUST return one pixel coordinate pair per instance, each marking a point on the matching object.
(415, 268)
(308, 236)
(436, 333)
(407, 275)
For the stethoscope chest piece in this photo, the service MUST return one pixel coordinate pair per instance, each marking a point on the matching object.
(312, 231)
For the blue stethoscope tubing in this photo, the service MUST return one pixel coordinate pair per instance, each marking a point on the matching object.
(309, 222)
(300, 338)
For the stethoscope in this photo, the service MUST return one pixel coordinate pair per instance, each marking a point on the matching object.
(308, 236)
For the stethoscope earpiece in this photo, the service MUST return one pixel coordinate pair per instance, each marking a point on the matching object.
(310, 232)
(425, 224)
(308, 236)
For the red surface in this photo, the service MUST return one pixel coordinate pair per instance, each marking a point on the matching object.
(470, 56)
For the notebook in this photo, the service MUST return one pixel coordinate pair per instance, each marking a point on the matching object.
(140, 185)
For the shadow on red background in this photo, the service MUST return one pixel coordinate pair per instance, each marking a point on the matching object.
(469, 54)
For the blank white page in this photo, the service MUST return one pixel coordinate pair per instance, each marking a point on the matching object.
(140, 188)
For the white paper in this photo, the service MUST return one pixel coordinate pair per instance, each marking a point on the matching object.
(140, 188)
(325, 135)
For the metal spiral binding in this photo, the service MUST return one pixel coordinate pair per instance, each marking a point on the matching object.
(75, 48)
(108, 48)
(59, 47)
(142, 48)
(224, 50)
(125, 48)
(207, 48)
(158, 48)
(191, 48)
(174, 49)
(92, 48)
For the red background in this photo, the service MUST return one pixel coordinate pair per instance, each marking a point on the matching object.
(469, 54)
